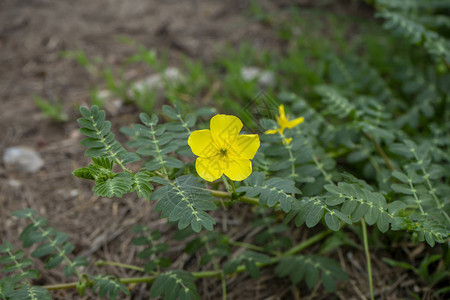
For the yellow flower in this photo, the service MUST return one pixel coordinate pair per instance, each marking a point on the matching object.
(284, 122)
(222, 150)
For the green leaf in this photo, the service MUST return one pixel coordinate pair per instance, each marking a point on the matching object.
(51, 109)
(172, 162)
(42, 250)
(30, 293)
(333, 189)
(332, 221)
(400, 176)
(403, 189)
(6, 287)
(383, 222)
(314, 215)
(183, 200)
(54, 261)
(141, 184)
(435, 44)
(251, 268)
(342, 217)
(175, 284)
(401, 149)
(113, 187)
(395, 263)
(108, 285)
(336, 103)
(85, 173)
(170, 112)
(372, 215)
(30, 235)
(359, 212)
(312, 277)
(328, 282)
(24, 214)
(250, 260)
(310, 267)
(272, 192)
(100, 140)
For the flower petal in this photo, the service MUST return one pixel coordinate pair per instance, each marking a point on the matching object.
(287, 141)
(209, 168)
(295, 122)
(281, 110)
(238, 169)
(202, 144)
(271, 131)
(244, 146)
(224, 129)
(283, 122)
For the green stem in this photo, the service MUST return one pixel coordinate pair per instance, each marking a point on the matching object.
(120, 163)
(381, 152)
(415, 197)
(309, 242)
(222, 274)
(255, 201)
(227, 184)
(183, 196)
(19, 267)
(447, 64)
(222, 194)
(366, 250)
(224, 285)
(128, 280)
(233, 187)
(183, 123)
(339, 152)
(120, 265)
(112, 153)
(319, 166)
(205, 274)
(426, 175)
(58, 249)
(246, 245)
(158, 150)
(291, 155)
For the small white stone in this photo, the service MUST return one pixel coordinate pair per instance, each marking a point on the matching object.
(250, 73)
(74, 193)
(104, 95)
(265, 78)
(14, 183)
(22, 159)
(157, 81)
(110, 102)
(172, 74)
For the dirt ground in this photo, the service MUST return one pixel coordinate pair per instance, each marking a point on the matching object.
(33, 33)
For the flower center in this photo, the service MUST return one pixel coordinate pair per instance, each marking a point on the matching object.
(223, 152)
(283, 122)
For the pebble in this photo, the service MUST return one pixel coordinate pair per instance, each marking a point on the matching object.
(23, 159)
(14, 183)
(265, 78)
(74, 193)
(113, 105)
(157, 81)
(153, 82)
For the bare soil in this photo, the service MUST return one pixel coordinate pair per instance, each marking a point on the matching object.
(33, 33)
